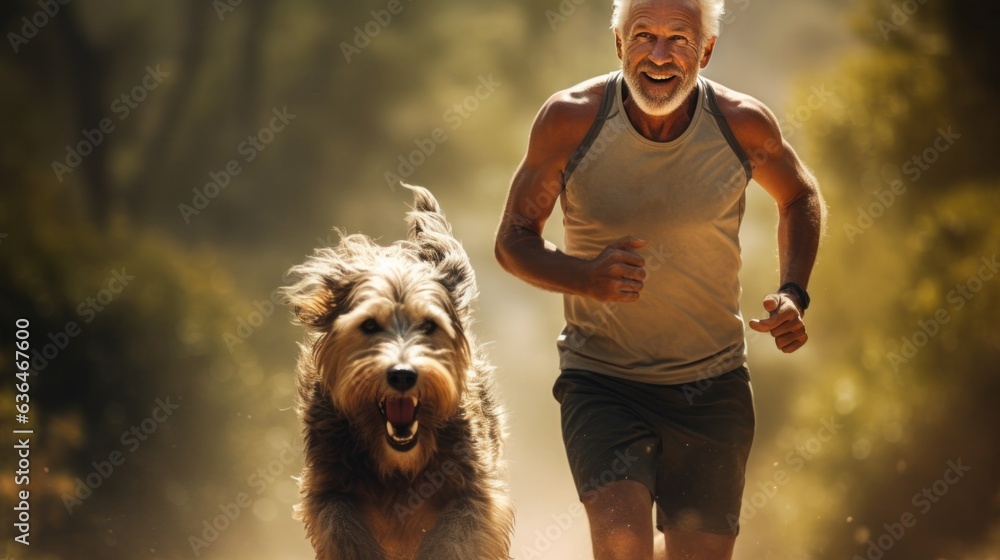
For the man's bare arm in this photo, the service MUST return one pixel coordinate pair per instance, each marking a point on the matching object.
(614, 275)
(801, 208)
(801, 213)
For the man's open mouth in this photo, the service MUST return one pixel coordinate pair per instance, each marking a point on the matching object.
(658, 78)
(400, 415)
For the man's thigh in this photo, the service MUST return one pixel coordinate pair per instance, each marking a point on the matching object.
(689, 453)
(606, 439)
(705, 446)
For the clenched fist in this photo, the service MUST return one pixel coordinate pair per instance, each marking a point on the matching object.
(618, 272)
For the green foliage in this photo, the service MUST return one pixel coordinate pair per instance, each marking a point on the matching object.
(145, 321)
(912, 294)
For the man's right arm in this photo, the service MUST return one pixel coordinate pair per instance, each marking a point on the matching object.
(614, 275)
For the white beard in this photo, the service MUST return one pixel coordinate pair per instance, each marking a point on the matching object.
(658, 107)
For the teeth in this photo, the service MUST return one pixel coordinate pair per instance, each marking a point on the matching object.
(398, 439)
(395, 438)
(414, 401)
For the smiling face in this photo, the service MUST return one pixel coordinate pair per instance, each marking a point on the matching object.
(662, 47)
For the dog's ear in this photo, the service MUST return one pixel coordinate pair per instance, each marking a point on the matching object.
(324, 280)
(431, 233)
(312, 295)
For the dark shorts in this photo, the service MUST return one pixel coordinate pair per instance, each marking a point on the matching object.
(687, 443)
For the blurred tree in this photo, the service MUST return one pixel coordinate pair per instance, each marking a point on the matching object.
(909, 163)
(224, 68)
(117, 111)
(138, 404)
(122, 324)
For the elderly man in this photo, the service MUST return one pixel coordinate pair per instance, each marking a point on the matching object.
(650, 165)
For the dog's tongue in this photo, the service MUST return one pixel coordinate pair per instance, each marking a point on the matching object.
(399, 410)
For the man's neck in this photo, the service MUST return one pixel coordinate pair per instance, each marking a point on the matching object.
(663, 128)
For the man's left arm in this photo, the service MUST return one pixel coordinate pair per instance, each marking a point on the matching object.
(801, 216)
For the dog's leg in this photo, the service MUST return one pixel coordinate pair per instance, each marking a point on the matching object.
(470, 529)
(338, 532)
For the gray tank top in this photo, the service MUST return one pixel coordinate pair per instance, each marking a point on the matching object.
(686, 197)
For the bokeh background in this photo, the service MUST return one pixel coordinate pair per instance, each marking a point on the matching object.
(138, 303)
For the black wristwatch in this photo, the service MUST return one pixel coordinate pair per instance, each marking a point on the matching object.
(799, 292)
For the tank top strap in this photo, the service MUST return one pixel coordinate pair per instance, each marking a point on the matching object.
(607, 102)
(715, 110)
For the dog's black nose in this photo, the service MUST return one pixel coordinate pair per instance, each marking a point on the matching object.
(402, 379)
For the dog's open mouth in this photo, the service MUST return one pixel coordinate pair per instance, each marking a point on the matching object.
(400, 414)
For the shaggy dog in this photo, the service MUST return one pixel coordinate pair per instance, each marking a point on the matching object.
(402, 429)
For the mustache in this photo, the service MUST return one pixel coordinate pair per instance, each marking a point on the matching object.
(665, 69)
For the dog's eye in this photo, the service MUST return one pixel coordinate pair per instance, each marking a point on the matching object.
(428, 326)
(370, 326)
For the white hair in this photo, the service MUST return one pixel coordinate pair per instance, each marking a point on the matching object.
(711, 15)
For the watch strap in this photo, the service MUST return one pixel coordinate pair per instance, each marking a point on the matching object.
(799, 292)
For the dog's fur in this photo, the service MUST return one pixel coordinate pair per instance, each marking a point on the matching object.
(372, 490)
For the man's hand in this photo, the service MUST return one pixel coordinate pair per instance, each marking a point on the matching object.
(785, 323)
(617, 273)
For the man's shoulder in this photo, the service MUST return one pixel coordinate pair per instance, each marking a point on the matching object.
(575, 106)
(563, 121)
(750, 119)
(589, 91)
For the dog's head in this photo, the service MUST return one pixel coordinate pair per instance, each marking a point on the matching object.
(390, 345)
